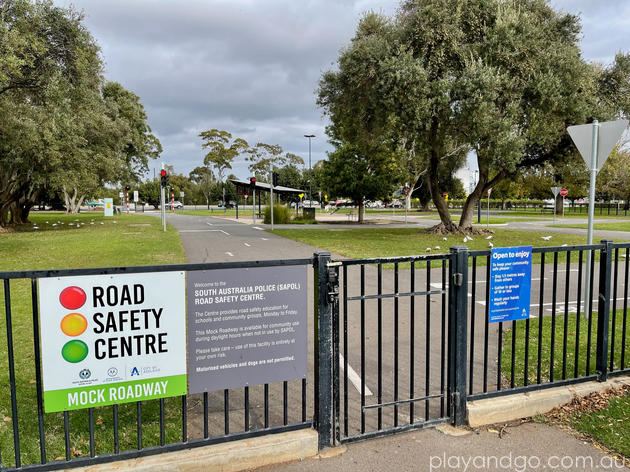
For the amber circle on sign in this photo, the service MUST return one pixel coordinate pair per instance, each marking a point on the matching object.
(72, 297)
(73, 324)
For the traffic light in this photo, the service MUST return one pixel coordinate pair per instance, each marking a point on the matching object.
(252, 182)
(163, 178)
(274, 179)
(127, 188)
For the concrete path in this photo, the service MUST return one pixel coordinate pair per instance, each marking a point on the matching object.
(528, 447)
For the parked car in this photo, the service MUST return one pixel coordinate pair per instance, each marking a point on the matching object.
(176, 205)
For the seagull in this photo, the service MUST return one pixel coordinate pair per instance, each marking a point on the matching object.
(428, 249)
(564, 245)
(436, 247)
(546, 238)
(102, 223)
(489, 237)
(490, 244)
(54, 224)
(35, 227)
(91, 222)
(117, 222)
(444, 239)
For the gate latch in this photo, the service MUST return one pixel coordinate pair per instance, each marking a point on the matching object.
(333, 284)
(458, 278)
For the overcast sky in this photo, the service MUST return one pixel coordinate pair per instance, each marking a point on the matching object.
(251, 67)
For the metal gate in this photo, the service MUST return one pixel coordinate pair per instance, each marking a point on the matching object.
(396, 363)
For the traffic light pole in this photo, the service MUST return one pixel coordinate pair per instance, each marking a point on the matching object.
(162, 209)
(272, 205)
(254, 205)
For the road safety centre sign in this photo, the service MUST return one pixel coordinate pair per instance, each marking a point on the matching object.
(108, 339)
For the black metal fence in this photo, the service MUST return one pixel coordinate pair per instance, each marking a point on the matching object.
(398, 344)
(33, 440)
(411, 340)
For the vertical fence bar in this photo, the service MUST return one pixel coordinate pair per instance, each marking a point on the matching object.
(246, 407)
(362, 348)
(395, 344)
(139, 423)
(226, 411)
(285, 402)
(412, 336)
(326, 284)
(66, 434)
(38, 373)
(162, 431)
(184, 419)
(625, 311)
(473, 302)
(565, 327)
(614, 311)
(588, 309)
(266, 405)
(603, 309)
(553, 317)
(443, 352)
(206, 431)
(458, 324)
(91, 428)
(540, 318)
(116, 435)
(379, 341)
(304, 400)
(10, 358)
(345, 350)
(577, 316)
(333, 298)
(427, 353)
(486, 327)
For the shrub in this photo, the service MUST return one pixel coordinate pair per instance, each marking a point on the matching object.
(281, 215)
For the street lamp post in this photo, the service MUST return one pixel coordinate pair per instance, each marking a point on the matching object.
(310, 174)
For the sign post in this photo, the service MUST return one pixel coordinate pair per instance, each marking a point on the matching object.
(488, 209)
(595, 142)
(555, 190)
(564, 192)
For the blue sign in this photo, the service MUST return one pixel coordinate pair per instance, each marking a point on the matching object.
(510, 283)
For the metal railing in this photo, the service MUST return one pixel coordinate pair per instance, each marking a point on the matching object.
(34, 440)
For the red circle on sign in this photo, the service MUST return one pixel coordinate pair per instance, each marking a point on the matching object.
(564, 192)
(72, 297)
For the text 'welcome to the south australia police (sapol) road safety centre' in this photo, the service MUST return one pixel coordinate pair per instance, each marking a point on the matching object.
(108, 339)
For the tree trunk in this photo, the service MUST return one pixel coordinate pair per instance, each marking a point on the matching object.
(361, 210)
(73, 203)
(440, 204)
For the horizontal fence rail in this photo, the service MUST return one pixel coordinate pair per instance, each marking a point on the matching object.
(33, 440)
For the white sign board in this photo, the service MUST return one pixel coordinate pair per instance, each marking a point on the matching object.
(136, 197)
(121, 194)
(555, 191)
(108, 205)
(181, 194)
(109, 339)
(609, 134)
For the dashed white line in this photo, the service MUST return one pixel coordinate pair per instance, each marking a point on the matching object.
(265, 239)
(354, 377)
(248, 245)
(256, 227)
(209, 224)
(203, 231)
(230, 254)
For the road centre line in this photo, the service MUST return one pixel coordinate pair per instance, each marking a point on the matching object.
(354, 377)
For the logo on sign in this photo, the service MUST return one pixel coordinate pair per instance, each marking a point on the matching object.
(112, 371)
(135, 371)
(85, 374)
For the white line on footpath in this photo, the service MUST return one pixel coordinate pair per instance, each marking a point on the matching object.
(230, 254)
(354, 377)
(264, 239)
(248, 245)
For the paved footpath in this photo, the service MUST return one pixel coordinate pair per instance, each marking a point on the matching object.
(528, 447)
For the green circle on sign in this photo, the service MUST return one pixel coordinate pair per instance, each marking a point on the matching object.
(74, 351)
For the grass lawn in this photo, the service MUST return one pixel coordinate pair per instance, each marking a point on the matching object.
(124, 240)
(572, 333)
(600, 226)
(609, 426)
(391, 242)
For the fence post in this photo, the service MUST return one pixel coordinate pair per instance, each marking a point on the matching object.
(324, 351)
(603, 308)
(458, 331)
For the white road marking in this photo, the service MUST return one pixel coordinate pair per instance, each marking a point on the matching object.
(248, 245)
(256, 227)
(203, 231)
(354, 377)
(209, 224)
(264, 239)
(230, 254)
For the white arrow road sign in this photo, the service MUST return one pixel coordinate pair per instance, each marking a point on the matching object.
(609, 134)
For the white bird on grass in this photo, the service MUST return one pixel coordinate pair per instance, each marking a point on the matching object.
(564, 245)
(444, 239)
(489, 237)
(546, 238)
(491, 245)
(428, 249)
(436, 247)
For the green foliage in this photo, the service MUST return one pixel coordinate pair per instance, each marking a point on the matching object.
(281, 215)
(222, 149)
(360, 175)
